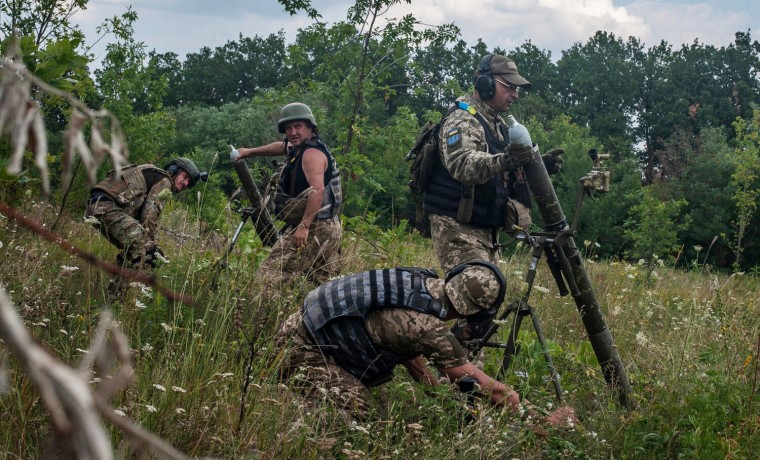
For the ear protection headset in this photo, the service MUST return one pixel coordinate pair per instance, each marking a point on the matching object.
(484, 82)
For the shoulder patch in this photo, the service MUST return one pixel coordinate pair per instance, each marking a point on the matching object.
(453, 137)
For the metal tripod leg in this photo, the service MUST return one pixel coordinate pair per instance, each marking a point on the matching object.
(521, 309)
(222, 263)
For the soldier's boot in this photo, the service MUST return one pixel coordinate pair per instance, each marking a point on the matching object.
(116, 286)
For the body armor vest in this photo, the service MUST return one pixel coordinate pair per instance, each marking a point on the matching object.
(444, 193)
(130, 190)
(293, 180)
(334, 314)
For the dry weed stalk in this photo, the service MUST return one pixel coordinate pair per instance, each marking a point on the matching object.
(75, 408)
(21, 118)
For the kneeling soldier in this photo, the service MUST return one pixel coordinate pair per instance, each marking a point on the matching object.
(353, 331)
(127, 208)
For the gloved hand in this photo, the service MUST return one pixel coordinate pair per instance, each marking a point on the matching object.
(234, 154)
(553, 160)
(515, 156)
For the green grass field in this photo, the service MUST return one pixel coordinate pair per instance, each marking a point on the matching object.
(205, 373)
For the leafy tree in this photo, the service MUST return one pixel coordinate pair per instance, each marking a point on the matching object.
(536, 66)
(601, 84)
(44, 20)
(238, 70)
(134, 91)
(51, 48)
(654, 225)
(602, 218)
(747, 183)
(699, 169)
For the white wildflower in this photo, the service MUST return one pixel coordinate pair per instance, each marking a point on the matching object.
(541, 289)
(147, 348)
(145, 291)
(178, 389)
(586, 243)
(641, 338)
(159, 387)
(162, 258)
(90, 220)
(415, 426)
(597, 245)
(151, 408)
(68, 268)
(167, 327)
(140, 305)
(119, 413)
(1, 245)
(356, 427)
(63, 331)
(697, 248)
(179, 411)
(199, 322)
(82, 351)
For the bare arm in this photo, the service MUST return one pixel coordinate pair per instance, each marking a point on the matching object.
(314, 165)
(420, 372)
(499, 393)
(276, 148)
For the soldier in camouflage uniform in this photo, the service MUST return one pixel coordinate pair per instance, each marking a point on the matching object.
(309, 199)
(477, 183)
(353, 331)
(126, 209)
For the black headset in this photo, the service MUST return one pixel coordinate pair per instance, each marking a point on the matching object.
(484, 82)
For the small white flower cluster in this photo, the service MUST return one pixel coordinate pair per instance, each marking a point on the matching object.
(357, 427)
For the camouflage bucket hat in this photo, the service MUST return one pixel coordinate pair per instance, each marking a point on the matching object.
(507, 69)
(473, 290)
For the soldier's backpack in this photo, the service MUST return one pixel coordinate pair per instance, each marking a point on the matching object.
(422, 156)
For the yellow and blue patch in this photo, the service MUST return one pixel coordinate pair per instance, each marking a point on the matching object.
(453, 137)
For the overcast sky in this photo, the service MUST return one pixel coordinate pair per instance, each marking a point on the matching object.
(185, 26)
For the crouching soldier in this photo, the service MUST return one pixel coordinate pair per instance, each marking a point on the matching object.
(353, 331)
(126, 209)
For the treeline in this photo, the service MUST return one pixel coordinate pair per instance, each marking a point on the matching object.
(681, 124)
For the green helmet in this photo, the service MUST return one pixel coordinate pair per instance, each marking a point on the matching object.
(295, 111)
(188, 166)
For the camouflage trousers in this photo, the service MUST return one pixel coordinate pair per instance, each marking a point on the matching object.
(455, 243)
(123, 231)
(319, 259)
(317, 376)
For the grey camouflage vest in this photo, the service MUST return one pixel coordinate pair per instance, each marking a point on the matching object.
(334, 314)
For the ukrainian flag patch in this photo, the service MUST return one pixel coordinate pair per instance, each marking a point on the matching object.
(453, 137)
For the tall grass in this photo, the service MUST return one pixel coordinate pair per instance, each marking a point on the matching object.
(206, 372)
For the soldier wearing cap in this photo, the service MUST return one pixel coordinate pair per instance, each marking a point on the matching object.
(353, 331)
(309, 199)
(126, 207)
(477, 185)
